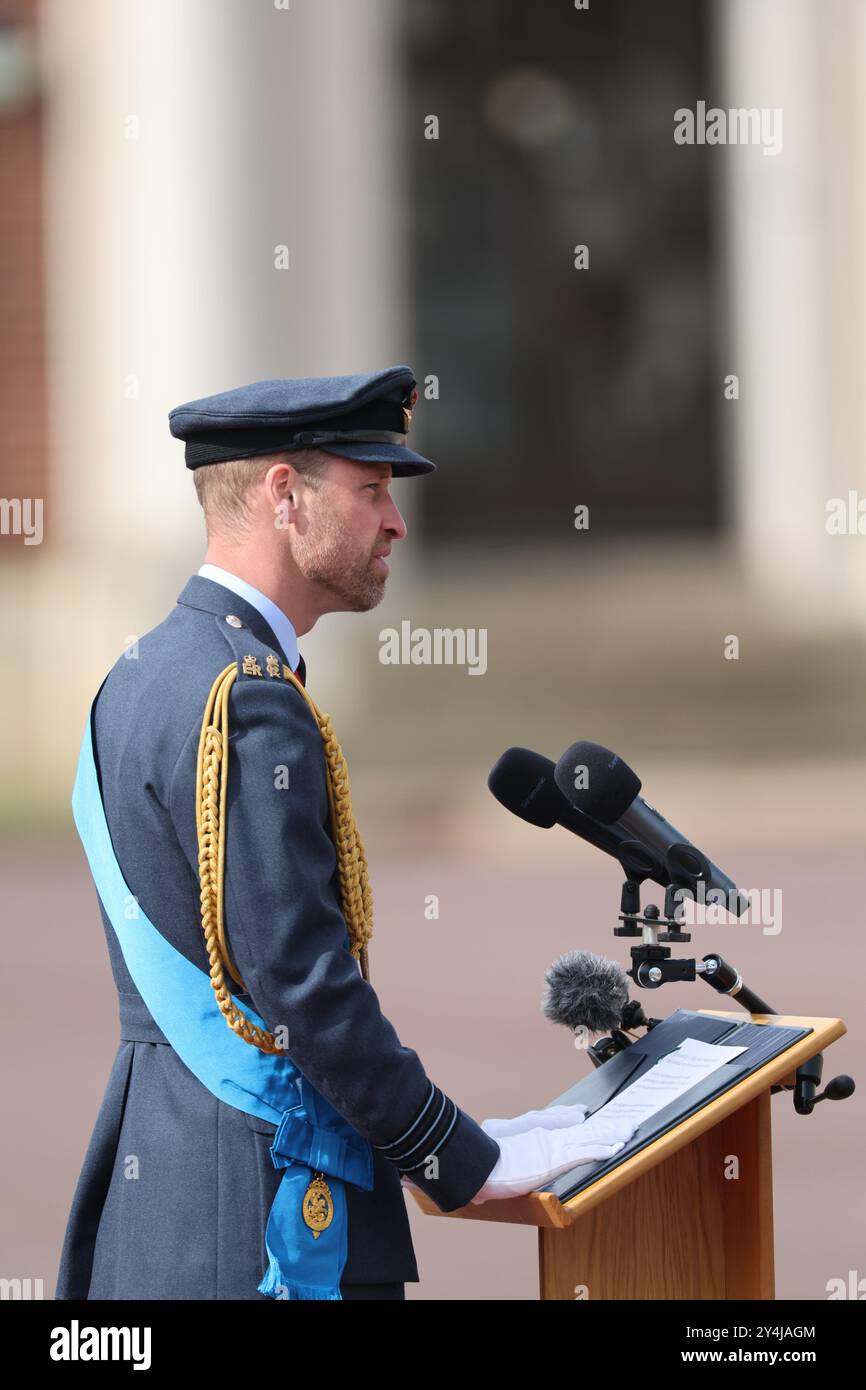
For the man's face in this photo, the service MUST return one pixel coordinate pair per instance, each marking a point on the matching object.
(352, 523)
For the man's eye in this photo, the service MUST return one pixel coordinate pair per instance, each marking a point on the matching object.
(374, 486)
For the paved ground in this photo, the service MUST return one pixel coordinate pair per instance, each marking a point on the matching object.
(464, 991)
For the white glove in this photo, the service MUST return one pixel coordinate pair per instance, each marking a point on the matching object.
(554, 1117)
(533, 1159)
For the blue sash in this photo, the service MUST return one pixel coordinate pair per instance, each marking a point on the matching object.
(311, 1135)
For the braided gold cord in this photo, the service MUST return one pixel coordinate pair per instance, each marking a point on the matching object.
(211, 791)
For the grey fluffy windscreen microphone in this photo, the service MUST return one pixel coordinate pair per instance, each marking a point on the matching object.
(585, 991)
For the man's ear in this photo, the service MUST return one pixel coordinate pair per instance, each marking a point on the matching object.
(280, 494)
(282, 485)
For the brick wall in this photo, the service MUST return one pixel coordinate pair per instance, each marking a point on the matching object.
(23, 433)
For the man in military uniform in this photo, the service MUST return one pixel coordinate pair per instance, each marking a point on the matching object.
(174, 1197)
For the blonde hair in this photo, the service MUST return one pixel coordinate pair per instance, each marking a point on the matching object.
(223, 489)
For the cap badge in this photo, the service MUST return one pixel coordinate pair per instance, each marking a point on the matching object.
(407, 411)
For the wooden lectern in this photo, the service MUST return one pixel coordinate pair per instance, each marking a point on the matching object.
(668, 1223)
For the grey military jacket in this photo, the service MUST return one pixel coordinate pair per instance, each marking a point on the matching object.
(176, 1186)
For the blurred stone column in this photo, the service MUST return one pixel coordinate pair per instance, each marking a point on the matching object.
(185, 144)
(332, 190)
(794, 250)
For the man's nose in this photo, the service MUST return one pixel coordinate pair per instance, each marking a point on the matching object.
(394, 522)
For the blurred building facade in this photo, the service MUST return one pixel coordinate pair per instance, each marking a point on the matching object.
(204, 194)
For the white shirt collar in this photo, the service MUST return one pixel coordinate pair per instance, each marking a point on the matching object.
(282, 627)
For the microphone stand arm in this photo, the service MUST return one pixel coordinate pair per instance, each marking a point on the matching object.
(652, 966)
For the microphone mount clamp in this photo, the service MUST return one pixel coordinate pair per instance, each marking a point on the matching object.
(653, 965)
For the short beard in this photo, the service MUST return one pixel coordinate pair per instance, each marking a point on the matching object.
(329, 556)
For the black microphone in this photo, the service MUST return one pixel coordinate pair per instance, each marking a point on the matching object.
(585, 991)
(600, 785)
(523, 782)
